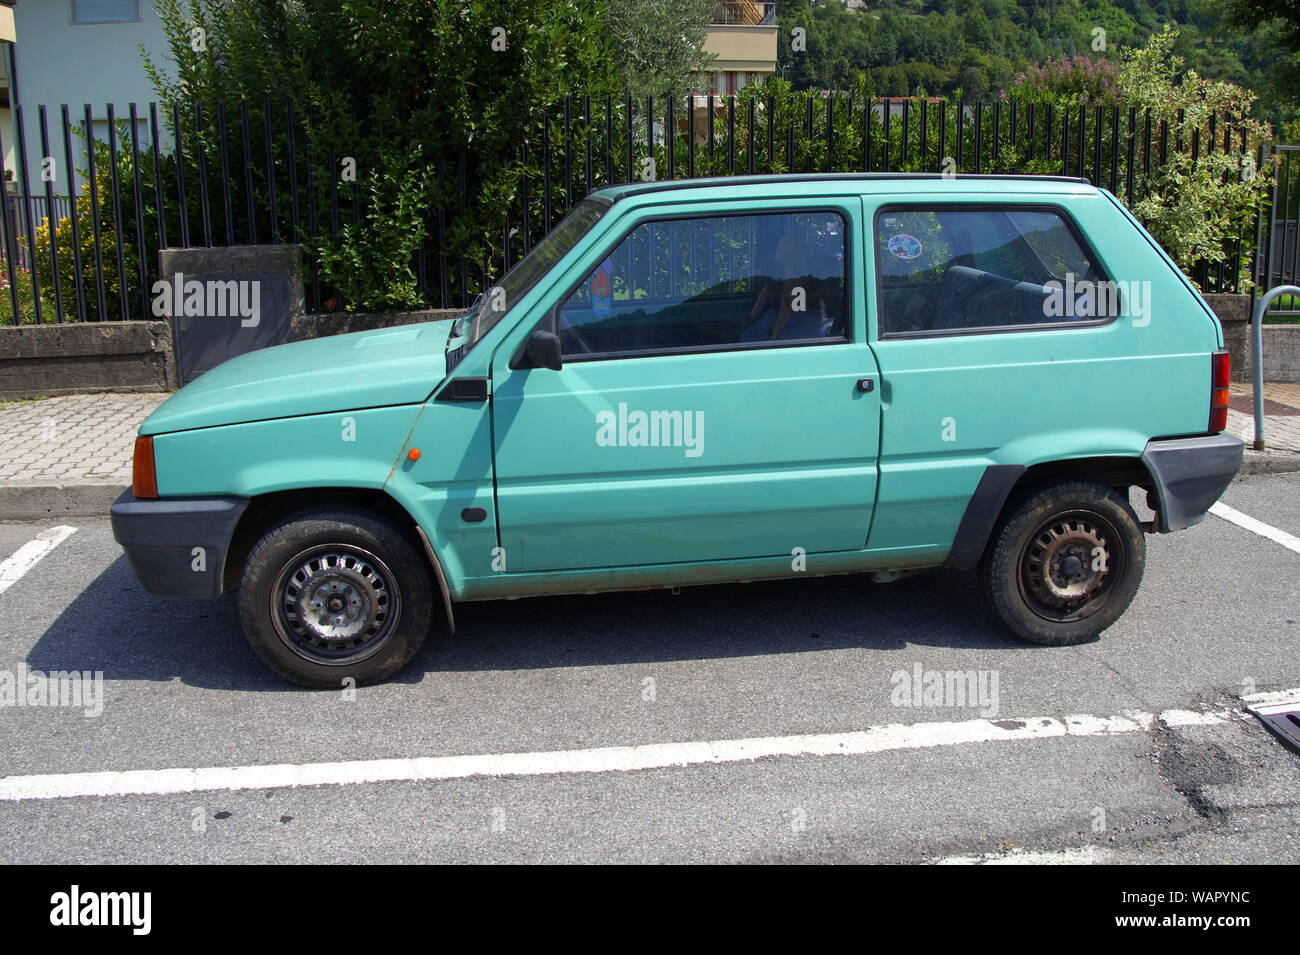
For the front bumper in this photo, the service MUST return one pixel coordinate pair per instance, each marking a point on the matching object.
(177, 546)
(1189, 475)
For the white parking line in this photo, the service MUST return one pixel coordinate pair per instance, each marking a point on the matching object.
(1081, 855)
(1289, 541)
(876, 739)
(30, 554)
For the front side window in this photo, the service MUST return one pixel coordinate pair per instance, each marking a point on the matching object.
(714, 282)
(945, 270)
(105, 11)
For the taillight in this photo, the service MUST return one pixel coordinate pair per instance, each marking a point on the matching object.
(144, 481)
(1220, 363)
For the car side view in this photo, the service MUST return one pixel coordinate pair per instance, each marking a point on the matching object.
(711, 381)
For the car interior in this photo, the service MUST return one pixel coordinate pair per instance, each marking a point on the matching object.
(973, 269)
(648, 308)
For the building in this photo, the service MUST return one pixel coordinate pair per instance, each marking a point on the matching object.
(62, 53)
(743, 38)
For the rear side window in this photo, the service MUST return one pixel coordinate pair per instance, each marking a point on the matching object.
(944, 270)
(713, 283)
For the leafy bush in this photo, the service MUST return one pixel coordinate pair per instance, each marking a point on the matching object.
(110, 231)
(1070, 81)
(426, 102)
(1202, 194)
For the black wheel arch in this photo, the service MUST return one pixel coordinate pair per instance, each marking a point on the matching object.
(1002, 483)
(265, 510)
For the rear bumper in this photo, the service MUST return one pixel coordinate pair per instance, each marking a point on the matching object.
(177, 547)
(1189, 475)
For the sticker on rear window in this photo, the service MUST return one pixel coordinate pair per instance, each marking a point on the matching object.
(904, 246)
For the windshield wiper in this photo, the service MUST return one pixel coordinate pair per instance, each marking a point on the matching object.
(459, 323)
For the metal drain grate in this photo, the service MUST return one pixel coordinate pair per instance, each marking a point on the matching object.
(1282, 718)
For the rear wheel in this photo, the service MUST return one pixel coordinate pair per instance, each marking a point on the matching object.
(1064, 562)
(330, 595)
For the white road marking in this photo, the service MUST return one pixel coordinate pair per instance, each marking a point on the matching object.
(876, 739)
(1082, 855)
(1289, 541)
(30, 554)
(1273, 700)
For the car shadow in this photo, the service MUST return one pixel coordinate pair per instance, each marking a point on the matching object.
(114, 626)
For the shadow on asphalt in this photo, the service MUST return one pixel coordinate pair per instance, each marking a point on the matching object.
(115, 627)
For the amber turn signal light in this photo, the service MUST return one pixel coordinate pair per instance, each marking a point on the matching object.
(144, 480)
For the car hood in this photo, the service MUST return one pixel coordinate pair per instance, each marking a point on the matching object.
(390, 366)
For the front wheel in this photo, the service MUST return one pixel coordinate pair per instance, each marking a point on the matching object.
(1064, 562)
(333, 595)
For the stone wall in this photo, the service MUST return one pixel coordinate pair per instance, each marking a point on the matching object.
(340, 323)
(85, 357)
(1281, 342)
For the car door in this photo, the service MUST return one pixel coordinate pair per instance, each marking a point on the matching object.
(717, 398)
(1005, 341)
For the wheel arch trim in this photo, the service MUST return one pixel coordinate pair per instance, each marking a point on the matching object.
(442, 578)
(982, 511)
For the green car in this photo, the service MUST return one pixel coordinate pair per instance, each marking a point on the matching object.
(710, 381)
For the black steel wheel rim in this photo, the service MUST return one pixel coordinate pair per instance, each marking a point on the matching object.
(1070, 565)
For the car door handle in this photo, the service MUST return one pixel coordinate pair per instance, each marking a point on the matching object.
(866, 384)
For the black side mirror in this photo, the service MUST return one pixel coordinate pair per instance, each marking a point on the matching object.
(543, 350)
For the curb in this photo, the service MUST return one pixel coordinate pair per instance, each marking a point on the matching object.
(38, 502)
(1269, 462)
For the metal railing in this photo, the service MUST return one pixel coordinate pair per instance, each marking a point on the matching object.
(1279, 258)
(188, 175)
(1257, 354)
(744, 13)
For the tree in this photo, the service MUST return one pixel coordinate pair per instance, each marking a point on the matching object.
(660, 44)
(1195, 201)
(395, 90)
(1279, 20)
(1254, 13)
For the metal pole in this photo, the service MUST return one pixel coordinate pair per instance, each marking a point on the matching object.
(1257, 356)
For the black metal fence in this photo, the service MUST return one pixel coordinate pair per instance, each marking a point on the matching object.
(81, 245)
(1279, 259)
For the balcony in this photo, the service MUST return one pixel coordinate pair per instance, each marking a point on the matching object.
(744, 13)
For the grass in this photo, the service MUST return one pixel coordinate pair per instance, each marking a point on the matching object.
(1284, 303)
(8, 402)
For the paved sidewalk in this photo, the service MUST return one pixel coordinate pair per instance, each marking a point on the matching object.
(67, 456)
(1281, 415)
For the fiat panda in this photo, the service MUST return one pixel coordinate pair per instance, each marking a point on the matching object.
(710, 381)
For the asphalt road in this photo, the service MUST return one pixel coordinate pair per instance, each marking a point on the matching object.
(1217, 616)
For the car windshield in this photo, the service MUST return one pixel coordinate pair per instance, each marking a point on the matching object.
(491, 305)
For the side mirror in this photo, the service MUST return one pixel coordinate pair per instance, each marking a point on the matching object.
(543, 350)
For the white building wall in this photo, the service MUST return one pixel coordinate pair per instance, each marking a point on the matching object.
(59, 61)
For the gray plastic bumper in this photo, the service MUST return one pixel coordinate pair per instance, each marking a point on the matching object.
(1190, 474)
(177, 547)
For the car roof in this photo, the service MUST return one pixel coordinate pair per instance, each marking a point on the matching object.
(874, 183)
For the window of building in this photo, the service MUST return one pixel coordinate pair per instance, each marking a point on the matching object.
(105, 11)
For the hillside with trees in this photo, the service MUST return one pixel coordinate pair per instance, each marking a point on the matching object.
(981, 46)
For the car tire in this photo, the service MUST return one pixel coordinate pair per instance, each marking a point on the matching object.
(1064, 562)
(332, 595)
